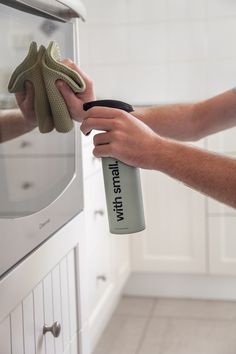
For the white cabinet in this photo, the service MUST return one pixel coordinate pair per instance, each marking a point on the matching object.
(174, 239)
(107, 255)
(44, 290)
(186, 232)
(5, 336)
(52, 300)
(221, 218)
(222, 245)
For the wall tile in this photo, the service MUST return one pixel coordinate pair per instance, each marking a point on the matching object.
(185, 9)
(220, 35)
(106, 11)
(147, 43)
(135, 84)
(221, 76)
(220, 8)
(146, 11)
(187, 81)
(186, 41)
(107, 44)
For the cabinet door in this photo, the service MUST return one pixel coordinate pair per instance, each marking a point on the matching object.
(28, 321)
(39, 319)
(100, 275)
(223, 142)
(54, 299)
(222, 245)
(120, 258)
(174, 239)
(5, 336)
(17, 332)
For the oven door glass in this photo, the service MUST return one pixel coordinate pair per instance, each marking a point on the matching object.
(35, 168)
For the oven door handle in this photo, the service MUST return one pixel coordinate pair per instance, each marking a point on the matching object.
(59, 10)
(77, 8)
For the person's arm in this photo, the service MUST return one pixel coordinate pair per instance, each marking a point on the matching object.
(13, 124)
(211, 174)
(190, 122)
(16, 122)
(130, 140)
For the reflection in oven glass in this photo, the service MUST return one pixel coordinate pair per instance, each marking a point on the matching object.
(35, 168)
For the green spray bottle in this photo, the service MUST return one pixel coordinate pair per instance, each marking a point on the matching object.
(122, 186)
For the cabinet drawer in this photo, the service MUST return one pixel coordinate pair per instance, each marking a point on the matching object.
(100, 274)
(95, 211)
(34, 143)
(52, 300)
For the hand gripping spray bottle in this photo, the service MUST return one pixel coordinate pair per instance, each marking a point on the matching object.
(122, 186)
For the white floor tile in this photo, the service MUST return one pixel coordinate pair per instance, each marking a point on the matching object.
(180, 336)
(122, 335)
(197, 309)
(136, 306)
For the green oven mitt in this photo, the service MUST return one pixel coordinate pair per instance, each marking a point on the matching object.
(42, 68)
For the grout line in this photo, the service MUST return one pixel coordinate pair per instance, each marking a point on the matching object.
(198, 319)
(149, 318)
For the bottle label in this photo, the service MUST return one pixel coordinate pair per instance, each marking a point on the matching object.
(117, 202)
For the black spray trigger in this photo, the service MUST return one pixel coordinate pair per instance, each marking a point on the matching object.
(109, 103)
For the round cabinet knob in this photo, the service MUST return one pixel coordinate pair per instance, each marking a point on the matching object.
(99, 212)
(102, 277)
(55, 329)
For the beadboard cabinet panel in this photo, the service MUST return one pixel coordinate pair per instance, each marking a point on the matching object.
(17, 331)
(57, 315)
(5, 336)
(28, 323)
(39, 319)
(52, 300)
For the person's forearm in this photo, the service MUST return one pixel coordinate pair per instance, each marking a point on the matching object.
(191, 122)
(211, 174)
(13, 124)
(174, 121)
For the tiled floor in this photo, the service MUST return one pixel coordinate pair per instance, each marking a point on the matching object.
(170, 326)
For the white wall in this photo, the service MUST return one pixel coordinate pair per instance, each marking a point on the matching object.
(151, 51)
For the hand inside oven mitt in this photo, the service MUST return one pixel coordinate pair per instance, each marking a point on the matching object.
(42, 68)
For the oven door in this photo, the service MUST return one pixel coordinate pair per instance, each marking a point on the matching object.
(40, 174)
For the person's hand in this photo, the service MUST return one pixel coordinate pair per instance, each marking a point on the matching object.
(75, 101)
(126, 138)
(25, 101)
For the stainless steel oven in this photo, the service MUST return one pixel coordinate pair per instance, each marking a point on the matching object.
(41, 185)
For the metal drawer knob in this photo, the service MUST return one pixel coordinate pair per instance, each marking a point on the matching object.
(55, 329)
(102, 277)
(99, 212)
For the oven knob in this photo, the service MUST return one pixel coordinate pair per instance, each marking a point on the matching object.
(55, 329)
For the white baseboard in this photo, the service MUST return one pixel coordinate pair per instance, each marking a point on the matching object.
(181, 286)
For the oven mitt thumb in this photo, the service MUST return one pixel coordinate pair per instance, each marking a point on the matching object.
(43, 70)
